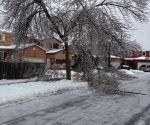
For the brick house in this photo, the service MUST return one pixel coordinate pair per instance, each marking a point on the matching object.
(57, 57)
(56, 44)
(29, 52)
(56, 54)
(116, 61)
(133, 59)
(6, 40)
(136, 59)
(34, 53)
(47, 44)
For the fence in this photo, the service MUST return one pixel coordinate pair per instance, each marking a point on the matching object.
(10, 70)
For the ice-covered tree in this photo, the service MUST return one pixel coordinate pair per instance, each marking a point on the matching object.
(88, 23)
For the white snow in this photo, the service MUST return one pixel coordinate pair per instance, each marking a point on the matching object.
(138, 58)
(54, 50)
(21, 46)
(16, 91)
(112, 56)
(128, 72)
(2, 47)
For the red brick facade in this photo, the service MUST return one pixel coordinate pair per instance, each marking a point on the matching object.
(8, 39)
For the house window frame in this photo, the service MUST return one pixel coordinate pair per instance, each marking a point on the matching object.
(143, 52)
(55, 46)
(130, 53)
(63, 47)
(2, 37)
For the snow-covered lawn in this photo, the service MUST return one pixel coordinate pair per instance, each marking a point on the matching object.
(17, 93)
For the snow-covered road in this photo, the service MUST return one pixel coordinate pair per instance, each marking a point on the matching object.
(81, 107)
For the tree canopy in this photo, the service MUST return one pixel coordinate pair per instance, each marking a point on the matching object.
(86, 23)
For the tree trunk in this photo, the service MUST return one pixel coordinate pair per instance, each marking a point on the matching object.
(68, 72)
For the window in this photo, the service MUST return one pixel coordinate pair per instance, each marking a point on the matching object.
(143, 65)
(143, 53)
(55, 46)
(63, 47)
(130, 53)
(2, 37)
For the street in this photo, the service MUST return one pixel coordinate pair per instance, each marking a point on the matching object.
(145, 118)
(82, 107)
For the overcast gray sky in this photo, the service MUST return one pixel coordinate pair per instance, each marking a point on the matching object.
(142, 34)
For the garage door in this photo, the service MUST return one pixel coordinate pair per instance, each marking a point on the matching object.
(115, 64)
(142, 63)
(38, 60)
(60, 61)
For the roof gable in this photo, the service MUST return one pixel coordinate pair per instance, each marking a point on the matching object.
(30, 45)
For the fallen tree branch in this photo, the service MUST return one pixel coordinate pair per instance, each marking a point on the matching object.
(130, 92)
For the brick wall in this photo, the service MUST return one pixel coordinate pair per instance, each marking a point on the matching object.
(8, 40)
(59, 55)
(35, 51)
(134, 54)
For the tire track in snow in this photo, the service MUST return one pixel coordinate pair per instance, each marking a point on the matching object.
(64, 105)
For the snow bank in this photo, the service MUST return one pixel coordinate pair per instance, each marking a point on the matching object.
(17, 93)
(7, 82)
(127, 72)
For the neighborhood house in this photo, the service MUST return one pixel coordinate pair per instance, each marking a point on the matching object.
(36, 51)
(39, 51)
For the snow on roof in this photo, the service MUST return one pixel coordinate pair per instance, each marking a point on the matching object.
(54, 50)
(112, 56)
(5, 31)
(2, 47)
(33, 44)
(138, 58)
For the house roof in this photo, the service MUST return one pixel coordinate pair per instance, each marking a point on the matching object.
(6, 31)
(54, 51)
(112, 56)
(2, 47)
(138, 58)
(33, 44)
